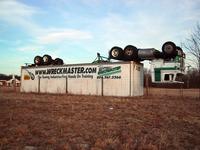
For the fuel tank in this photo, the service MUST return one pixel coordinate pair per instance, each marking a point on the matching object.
(149, 54)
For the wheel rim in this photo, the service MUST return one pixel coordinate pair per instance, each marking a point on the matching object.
(37, 60)
(115, 53)
(45, 59)
(129, 52)
(168, 48)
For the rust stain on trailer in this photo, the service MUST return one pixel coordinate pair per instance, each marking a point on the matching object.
(27, 77)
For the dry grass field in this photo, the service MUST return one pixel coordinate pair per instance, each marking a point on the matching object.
(165, 119)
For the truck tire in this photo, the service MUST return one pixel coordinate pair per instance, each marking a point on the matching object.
(169, 49)
(130, 53)
(38, 61)
(116, 53)
(179, 48)
(58, 61)
(47, 59)
(179, 51)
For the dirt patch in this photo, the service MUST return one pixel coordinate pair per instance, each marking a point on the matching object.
(48, 121)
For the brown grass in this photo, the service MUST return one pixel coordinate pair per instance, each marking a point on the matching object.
(158, 121)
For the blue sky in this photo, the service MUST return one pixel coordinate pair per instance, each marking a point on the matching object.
(76, 30)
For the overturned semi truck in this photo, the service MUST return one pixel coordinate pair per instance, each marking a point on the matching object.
(46, 60)
(167, 66)
(103, 77)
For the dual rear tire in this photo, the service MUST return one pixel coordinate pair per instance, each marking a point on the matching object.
(38, 60)
(169, 50)
(47, 60)
(116, 53)
(57, 61)
(129, 53)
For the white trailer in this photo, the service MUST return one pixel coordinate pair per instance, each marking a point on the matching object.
(103, 79)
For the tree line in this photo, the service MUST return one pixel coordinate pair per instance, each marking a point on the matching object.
(8, 77)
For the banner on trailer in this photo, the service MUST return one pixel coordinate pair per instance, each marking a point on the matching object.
(111, 79)
(92, 72)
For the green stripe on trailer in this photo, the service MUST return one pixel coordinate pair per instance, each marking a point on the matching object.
(158, 72)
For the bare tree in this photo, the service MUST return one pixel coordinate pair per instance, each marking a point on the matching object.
(192, 44)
